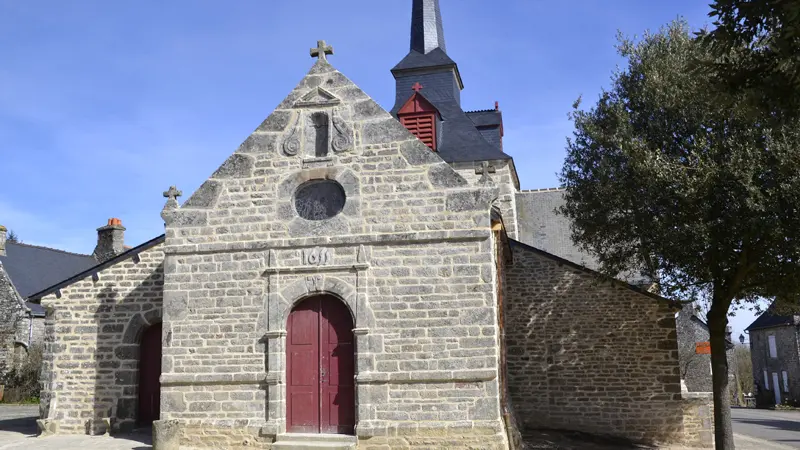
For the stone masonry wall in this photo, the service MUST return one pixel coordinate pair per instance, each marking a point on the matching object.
(11, 313)
(92, 344)
(786, 342)
(585, 355)
(503, 178)
(410, 254)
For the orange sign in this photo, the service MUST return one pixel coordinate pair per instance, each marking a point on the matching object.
(702, 348)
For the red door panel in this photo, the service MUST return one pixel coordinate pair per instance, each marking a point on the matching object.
(336, 385)
(302, 335)
(320, 368)
(149, 372)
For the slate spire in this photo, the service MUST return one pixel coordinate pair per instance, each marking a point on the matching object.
(427, 33)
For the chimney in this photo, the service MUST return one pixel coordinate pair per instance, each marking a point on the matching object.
(3, 236)
(110, 241)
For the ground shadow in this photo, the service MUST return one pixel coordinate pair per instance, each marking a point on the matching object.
(21, 425)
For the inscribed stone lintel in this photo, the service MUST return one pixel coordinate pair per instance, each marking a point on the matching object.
(308, 269)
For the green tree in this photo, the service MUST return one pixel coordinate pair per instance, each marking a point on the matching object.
(13, 237)
(701, 196)
(756, 45)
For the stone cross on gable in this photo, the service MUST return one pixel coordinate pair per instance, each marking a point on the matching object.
(484, 170)
(172, 197)
(417, 87)
(322, 50)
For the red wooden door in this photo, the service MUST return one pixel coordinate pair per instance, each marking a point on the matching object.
(149, 372)
(320, 368)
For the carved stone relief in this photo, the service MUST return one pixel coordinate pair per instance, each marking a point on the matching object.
(343, 139)
(317, 256)
(291, 144)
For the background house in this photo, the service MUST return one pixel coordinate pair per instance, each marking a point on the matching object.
(775, 353)
(27, 269)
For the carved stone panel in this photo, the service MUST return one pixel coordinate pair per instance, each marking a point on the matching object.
(317, 256)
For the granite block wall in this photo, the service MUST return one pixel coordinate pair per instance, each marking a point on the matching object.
(410, 252)
(92, 333)
(590, 356)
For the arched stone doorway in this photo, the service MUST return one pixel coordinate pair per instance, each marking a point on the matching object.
(320, 367)
(149, 373)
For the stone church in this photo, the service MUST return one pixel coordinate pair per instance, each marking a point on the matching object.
(356, 277)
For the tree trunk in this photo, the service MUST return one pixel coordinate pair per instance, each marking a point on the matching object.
(717, 323)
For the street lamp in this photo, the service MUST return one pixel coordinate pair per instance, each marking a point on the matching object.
(741, 338)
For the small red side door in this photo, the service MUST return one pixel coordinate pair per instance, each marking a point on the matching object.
(337, 369)
(320, 393)
(149, 373)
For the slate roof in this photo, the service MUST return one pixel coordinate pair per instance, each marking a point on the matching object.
(32, 268)
(427, 32)
(540, 226)
(417, 60)
(486, 118)
(459, 139)
(94, 268)
(767, 319)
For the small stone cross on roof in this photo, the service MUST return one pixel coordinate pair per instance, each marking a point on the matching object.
(321, 50)
(172, 195)
(417, 87)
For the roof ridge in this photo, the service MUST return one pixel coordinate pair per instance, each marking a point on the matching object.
(42, 247)
(482, 110)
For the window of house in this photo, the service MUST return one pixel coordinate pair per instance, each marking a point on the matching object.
(785, 381)
(773, 349)
(766, 380)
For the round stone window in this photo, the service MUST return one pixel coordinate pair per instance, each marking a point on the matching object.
(319, 199)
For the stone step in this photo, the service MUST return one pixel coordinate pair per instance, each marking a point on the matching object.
(308, 441)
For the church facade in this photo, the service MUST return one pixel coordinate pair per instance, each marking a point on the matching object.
(353, 275)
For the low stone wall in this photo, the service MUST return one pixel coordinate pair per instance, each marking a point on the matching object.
(590, 356)
(698, 419)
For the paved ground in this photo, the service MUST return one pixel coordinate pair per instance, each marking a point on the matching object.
(18, 431)
(782, 427)
(754, 430)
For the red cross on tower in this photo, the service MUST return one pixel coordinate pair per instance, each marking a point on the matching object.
(417, 87)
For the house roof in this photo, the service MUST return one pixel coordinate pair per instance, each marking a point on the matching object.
(60, 284)
(32, 268)
(768, 319)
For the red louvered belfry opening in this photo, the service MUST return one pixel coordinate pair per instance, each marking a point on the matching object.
(423, 126)
(419, 117)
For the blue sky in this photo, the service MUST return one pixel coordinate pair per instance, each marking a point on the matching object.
(103, 105)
